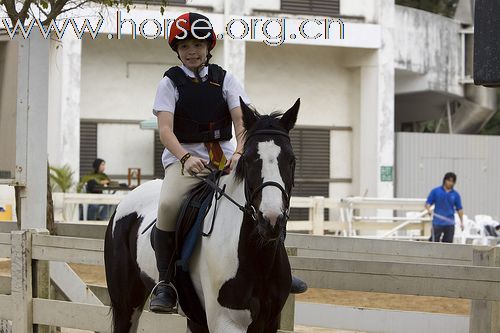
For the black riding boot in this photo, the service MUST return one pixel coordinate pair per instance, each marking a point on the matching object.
(298, 286)
(164, 297)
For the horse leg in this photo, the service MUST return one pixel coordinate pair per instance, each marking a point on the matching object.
(272, 327)
(224, 320)
(126, 290)
(192, 327)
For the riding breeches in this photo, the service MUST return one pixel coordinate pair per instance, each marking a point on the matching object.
(174, 190)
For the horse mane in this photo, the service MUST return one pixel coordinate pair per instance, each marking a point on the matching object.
(263, 121)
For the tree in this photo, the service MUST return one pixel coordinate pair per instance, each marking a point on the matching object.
(442, 7)
(48, 10)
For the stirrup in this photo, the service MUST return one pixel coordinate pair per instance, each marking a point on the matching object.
(164, 310)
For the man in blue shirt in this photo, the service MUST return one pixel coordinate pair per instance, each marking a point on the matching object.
(445, 200)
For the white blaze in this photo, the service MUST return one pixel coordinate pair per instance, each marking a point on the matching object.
(271, 205)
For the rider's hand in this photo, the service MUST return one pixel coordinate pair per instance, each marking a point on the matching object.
(233, 161)
(194, 165)
(462, 226)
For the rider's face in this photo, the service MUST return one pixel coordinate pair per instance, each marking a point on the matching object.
(193, 52)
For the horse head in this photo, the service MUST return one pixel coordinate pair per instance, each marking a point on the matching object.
(267, 167)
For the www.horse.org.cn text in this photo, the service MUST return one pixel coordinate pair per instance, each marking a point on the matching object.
(271, 31)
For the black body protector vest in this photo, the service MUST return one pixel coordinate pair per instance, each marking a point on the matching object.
(201, 113)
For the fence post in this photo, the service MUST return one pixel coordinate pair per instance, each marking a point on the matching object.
(22, 320)
(485, 315)
(287, 317)
(41, 281)
(318, 216)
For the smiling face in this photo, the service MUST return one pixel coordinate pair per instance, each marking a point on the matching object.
(193, 52)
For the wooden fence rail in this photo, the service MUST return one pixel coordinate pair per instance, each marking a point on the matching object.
(397, 267)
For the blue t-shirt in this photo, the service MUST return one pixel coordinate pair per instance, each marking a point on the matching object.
(445, 205)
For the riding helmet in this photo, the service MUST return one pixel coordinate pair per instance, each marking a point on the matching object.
(187, 21)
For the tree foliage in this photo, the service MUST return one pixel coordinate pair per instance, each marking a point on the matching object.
(442, 7)
(61, 179)
(48, 10)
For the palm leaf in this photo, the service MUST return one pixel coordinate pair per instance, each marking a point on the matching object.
(61, 179)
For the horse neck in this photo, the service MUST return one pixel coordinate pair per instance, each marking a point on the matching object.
(259, 256)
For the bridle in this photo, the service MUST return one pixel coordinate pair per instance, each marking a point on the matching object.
(250, 196)
(249, 208)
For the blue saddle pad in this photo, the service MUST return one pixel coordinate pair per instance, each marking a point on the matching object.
(193, 236)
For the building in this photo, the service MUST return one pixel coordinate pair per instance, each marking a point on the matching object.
(383, 69)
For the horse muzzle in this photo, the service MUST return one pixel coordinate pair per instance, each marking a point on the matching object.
(271, 231)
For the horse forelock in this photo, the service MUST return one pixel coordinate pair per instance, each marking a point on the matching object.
(264, 122)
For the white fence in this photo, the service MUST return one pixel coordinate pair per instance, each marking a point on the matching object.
(347, 224)
(372, 265)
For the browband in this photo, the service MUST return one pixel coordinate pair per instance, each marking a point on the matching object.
(269, 131)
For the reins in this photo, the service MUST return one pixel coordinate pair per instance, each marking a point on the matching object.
(248, 208)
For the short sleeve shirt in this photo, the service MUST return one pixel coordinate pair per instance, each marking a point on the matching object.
(445, 205)
(167, 96)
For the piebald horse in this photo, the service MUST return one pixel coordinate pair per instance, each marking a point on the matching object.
(241, 273)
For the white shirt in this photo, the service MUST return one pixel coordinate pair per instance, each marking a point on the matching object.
(167, 96)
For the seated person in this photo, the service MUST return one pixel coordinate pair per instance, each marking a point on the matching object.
(94, 185)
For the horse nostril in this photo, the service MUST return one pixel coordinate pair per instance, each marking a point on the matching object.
(272, 218)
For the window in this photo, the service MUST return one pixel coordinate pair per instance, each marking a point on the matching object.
(328, 8)
(88, 146)
(312, 172)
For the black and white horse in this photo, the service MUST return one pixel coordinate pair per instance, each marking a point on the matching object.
(241, 273)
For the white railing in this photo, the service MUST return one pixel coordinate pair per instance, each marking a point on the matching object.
(66, 204)
(416, 216)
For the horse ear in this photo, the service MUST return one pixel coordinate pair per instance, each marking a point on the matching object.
(290, 117)
(249, 115)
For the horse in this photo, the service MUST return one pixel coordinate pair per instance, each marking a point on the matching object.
(240, 272)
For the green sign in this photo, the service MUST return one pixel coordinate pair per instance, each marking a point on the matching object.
(386, 173)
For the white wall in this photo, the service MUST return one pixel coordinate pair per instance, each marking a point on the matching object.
(361, 8)
(277, 76)
(125, 146)
(119, 77)
(429, 45)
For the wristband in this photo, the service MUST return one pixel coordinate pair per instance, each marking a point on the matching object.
(183, 160)
(238, 152)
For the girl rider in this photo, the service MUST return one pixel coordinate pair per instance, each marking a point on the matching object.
(196, 105)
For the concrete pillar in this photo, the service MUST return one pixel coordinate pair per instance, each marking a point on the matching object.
(375, 135)
(386, 77)
(31, 130)
(234, 50)
(64, 103)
